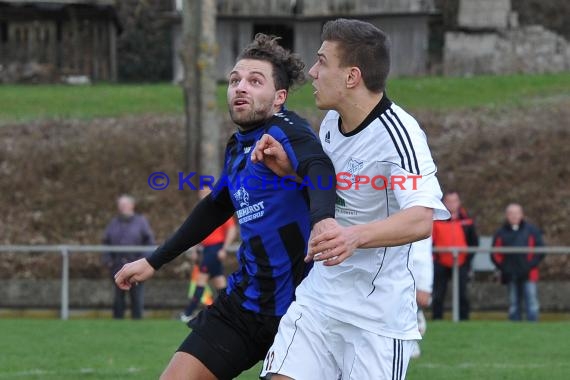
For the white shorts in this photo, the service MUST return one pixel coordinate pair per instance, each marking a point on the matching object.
(310, 345)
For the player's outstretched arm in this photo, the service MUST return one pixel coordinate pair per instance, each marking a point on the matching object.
(205, 218)
(338, 243)
(301, 156)
(209, 214)
(270, 152)
(133, 273)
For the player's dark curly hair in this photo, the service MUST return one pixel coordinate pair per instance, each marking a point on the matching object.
(287, 67)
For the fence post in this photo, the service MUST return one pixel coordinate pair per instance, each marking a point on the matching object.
(455, 288)
(64, 313)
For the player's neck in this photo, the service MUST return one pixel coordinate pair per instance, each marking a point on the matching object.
(356, 109)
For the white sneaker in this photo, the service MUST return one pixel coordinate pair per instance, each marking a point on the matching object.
(416, 352)
(185, 318)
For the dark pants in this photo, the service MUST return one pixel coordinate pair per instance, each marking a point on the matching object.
(137, 302)
(210, 263)
(443, 275)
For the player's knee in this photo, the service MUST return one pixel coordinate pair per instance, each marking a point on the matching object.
(167, 374)
(184, 366)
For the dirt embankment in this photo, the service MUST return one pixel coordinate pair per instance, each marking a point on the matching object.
(59, 179)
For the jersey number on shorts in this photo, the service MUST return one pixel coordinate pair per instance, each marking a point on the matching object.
(269, 360)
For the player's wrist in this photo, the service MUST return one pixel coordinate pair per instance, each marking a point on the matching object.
(359, 235)
(154, 263)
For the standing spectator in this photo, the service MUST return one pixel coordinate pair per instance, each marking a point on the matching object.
(423, 276)
(519, 271)
(458, 231)
(214, 252)
(127, 228)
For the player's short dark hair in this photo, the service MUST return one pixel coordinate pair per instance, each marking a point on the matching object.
(287, 67)
(363, 45)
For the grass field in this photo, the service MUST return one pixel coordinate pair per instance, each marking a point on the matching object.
(27, 102)
(107, 349)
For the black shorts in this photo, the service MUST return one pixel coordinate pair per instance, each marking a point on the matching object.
(228, 339)
(210, 263)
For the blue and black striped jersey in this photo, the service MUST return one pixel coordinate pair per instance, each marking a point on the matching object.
(275, 214)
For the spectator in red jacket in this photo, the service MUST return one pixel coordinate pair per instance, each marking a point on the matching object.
(458, 231)
(519, 271)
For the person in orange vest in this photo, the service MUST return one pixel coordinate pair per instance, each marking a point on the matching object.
(519, 271)
(214, 252)
(458, 231)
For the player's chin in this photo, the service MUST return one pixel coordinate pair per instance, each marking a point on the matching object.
(321, 104)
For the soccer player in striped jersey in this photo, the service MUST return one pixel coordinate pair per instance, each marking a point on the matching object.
(275, 217)
(354, 316)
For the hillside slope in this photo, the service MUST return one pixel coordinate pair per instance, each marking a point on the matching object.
(59, 179)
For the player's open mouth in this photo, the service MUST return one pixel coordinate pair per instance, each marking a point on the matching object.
(240, 102)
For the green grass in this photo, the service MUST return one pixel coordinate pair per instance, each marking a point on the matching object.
(494, 91)
(27, 102)
(107, 349)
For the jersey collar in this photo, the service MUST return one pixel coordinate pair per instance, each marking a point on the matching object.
(378, 110)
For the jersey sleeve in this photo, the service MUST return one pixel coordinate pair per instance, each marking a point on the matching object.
(301, 145)
(309, 161)
(210, 213)
(417, 184)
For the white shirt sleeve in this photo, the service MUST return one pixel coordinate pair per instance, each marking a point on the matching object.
(421, 189)
(423, 264)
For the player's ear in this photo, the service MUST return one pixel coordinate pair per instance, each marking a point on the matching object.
(353, 77)
(280, 97)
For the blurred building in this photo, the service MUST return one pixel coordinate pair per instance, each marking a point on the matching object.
(55, 40)
(487, 38)
(299, 23)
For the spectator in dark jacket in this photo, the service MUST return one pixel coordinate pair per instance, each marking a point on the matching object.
(458, 231)
(127, 228)
(519, 271)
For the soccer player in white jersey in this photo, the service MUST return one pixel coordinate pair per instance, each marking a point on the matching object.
(355, 313)
(423, 276)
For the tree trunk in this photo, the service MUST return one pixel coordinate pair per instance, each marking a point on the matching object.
(189, 56)
(211, 145)
(199, 84)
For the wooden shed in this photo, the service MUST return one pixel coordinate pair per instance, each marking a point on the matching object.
(299, 23)
(58, 40)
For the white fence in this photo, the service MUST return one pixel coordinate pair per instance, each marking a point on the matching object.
(66, 250)
(486, 249)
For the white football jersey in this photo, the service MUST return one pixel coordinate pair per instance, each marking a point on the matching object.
(382, 167)
(423, 264)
